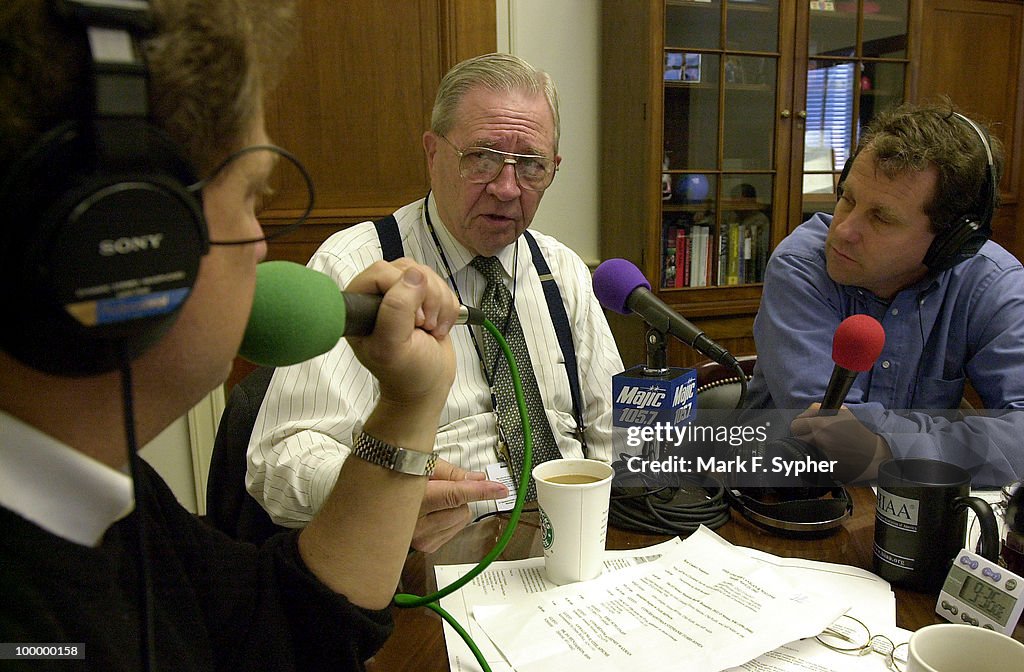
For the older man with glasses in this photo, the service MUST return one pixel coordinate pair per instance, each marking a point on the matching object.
(492, 151)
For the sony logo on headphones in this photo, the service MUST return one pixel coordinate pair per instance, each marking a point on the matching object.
(127, 245)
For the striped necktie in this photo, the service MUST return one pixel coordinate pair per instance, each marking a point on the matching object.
(498, 308)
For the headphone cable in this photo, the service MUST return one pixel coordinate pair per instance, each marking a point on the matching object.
(147, 629)
(672, 510)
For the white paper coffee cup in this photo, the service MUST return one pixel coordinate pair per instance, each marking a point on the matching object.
(952, 647)
(573, 496)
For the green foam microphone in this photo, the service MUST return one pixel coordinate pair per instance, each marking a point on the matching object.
(299, 313)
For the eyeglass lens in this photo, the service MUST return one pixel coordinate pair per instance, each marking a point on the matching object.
(481, 165)
(285, 199)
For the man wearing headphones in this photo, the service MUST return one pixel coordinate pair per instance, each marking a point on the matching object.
(108, 569)
(908, 245)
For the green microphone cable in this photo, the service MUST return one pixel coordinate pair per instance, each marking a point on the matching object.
(432, 601)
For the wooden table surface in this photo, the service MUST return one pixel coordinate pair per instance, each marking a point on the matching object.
(417, 644)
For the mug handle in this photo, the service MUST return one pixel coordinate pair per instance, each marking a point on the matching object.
(989, 542)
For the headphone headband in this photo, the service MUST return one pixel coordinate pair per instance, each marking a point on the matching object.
(805, 518)
(806, 506)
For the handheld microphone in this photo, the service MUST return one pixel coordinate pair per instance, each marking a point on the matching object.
(622, 287)
(298, 313)
(856, 345)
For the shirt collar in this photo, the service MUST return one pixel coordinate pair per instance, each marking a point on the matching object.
(919, 289)
(63, 491)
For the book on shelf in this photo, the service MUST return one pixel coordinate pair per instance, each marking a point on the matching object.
(682, 257)
(668, 258)
(699, 256)
(732, 274)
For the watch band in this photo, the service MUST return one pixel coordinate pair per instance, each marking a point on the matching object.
(375, 451)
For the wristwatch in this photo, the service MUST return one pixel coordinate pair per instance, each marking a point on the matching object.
(392, 457)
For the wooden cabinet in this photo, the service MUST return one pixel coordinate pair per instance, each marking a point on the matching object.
(715, 109)
(852, 62)
(971, 52)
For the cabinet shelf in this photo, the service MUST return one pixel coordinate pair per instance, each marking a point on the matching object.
(734, 88)
(752, 6)
(868, 18)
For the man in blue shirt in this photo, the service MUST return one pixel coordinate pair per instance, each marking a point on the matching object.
(901, 249)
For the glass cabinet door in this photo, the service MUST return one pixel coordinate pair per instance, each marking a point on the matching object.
(721, 62)
(857, 62)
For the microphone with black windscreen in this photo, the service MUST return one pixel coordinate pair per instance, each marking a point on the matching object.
(298, 313)
(856, 344)
(622, 287)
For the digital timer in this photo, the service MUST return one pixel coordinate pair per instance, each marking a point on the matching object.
(980, 592)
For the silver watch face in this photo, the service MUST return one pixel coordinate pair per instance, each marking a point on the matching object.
(392, 457)
(411, 462)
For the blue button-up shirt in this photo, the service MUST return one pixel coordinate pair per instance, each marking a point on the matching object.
(964, 323)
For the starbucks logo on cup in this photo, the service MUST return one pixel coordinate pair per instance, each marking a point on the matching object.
(547, 532)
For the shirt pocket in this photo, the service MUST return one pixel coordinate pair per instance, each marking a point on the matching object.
(939, 393)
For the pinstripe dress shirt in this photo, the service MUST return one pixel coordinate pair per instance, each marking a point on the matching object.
(305, 427)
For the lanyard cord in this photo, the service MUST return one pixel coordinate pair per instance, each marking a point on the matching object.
(490, 372)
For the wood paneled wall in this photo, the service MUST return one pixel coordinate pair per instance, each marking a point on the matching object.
(356, 99)
(353, 106)
(971, 52)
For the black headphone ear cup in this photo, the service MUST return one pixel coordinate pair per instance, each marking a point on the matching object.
(790, 450)
(798, 518)
(957, 243)
(970, 231)
(103, 249)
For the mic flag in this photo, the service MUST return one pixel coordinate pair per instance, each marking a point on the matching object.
(298, 313)
(657, 402)
(856, 344)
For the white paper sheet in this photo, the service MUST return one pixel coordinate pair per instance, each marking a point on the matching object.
(871, 601)
(505, 581)
(703, 602)
(870, 597)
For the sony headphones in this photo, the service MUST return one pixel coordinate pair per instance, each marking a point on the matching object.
(103, 238)
(964, 237)
(806, 508)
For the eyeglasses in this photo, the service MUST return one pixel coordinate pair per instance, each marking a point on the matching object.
(288, 176)
(848, 635)
(481, 165)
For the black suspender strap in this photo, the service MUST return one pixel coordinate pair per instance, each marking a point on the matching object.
(391, 246)
(561, 321)
(390, 239)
